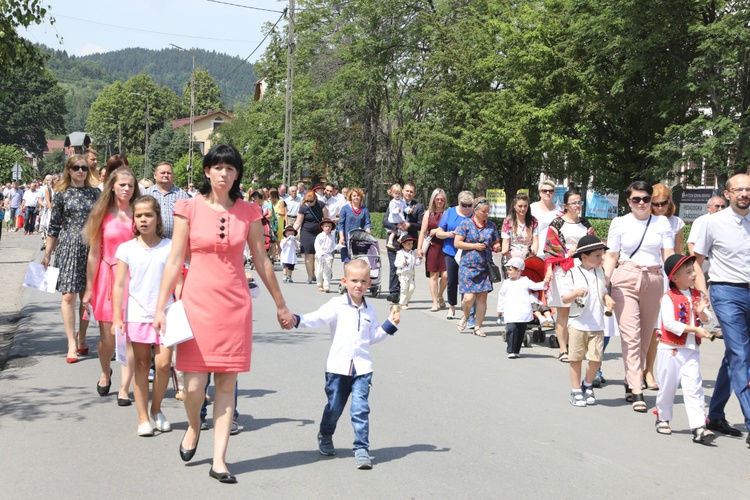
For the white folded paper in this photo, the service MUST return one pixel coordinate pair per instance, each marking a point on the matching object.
(42, 279)
(121, 346)
(178, 327)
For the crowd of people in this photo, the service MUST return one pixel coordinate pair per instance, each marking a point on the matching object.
(128, 251)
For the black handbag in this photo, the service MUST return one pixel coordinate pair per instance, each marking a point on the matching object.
(495, 275)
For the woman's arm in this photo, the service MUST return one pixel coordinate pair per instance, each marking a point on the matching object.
(173, 270)
(92, 266)
(422, 236)
(299, 221)
(264, 269)
(678, 240)
(610, 261)
(367, 219)
(118, 291)
(534, 244)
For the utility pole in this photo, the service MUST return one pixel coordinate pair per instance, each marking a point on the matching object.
(192, 112)
(287, 169)
(119, 138)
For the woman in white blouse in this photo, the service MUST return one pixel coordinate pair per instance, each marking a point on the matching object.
(662, 204)
(640, 242)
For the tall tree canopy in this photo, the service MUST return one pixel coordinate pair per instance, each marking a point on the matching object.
(33, 105)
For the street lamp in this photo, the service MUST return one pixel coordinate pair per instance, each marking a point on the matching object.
(192, 112)
(145, 149)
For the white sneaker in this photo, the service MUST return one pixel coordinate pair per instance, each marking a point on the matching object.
(500, 321)
(450, 315)
(577, 399)
(145, 429)
(161, 423)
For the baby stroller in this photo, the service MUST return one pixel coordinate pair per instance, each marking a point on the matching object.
(535, 271)
(268, 239)
(362, 245)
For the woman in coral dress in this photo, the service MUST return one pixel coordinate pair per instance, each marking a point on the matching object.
(214, 226)
(109, 225)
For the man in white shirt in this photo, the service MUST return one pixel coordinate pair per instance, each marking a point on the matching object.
(332, 203)
(293, 201)
(725, 239)
(28, 207)
(15, 198)
(713, 205)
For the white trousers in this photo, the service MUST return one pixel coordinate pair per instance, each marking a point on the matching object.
(675, 367)
(323, 271)
(408, 284)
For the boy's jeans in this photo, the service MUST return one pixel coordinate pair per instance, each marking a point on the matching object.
(338, 388)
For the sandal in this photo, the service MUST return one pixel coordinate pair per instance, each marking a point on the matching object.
(639, 405)
(563, 357)
(434, 309)
(701, 435)
(462, 324)
(662, 427)
(441, 303)
(479, 333)
(628, 393)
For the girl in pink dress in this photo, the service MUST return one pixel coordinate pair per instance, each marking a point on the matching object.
(110, 223)
(215, 225)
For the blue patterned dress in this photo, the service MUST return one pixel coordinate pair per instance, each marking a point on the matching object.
(473, 274)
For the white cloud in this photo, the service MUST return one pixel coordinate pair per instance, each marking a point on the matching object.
(90, 48)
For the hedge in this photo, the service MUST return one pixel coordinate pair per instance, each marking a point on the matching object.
(601, 228)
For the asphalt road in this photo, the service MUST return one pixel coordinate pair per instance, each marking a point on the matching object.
(452, 417)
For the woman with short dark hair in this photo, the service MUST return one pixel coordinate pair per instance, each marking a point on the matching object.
(311, 213)
(215, 226)
(640, 242)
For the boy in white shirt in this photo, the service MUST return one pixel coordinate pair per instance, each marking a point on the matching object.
(583, 288)
(683, 310)
(325, 244)
(289, 247)
(406, 260)
(514, 301)
(354, 328)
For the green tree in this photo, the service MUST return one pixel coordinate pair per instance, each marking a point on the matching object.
(9, 155)
(16, 52)
(130, 105)
(34, 105)
(207, 94)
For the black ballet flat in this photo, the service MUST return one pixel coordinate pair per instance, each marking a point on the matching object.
(187, 455)
(103, 390)
(223, 477)
(124, 402)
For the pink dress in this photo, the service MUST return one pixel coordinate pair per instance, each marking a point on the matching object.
(215, 293)
(114, 233)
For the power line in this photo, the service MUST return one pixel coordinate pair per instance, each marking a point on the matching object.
(153, 32)
(246, 6)
(256, 48)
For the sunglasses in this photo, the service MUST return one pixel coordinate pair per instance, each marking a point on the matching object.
(309, 201)
(720, 207)
(659, 204)
(466, 205)
(574, 203)
(637, 199)
(76, 168)
(547, 191)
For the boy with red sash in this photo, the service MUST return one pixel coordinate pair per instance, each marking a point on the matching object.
(683, 310)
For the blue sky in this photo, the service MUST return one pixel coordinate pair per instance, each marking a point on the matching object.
(89, 26)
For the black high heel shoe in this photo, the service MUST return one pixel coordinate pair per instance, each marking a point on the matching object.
(223, 477)
(187, 455)
(104, 390)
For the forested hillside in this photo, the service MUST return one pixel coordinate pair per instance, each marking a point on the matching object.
(84, 77)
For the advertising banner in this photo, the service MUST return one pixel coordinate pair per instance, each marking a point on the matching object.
(601, 206)
(693, 203)
(496, 197)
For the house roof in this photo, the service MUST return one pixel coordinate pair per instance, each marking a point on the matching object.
(184, 122)
(53, 144)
